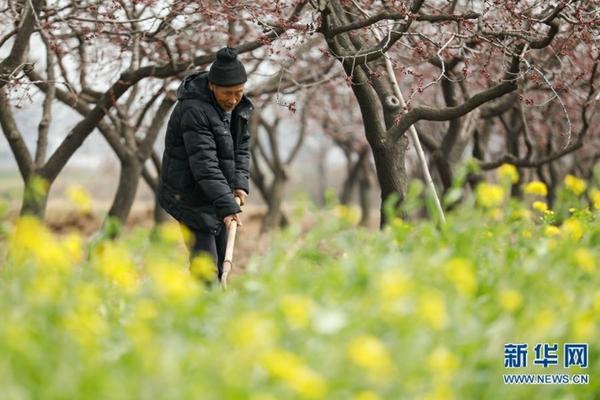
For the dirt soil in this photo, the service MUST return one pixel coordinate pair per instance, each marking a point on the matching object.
(249, 241)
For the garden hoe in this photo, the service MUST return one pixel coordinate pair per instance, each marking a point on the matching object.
(228, 262)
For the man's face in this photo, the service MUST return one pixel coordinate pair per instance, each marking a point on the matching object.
(227, 96)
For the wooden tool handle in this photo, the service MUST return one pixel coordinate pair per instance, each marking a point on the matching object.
(228, 262)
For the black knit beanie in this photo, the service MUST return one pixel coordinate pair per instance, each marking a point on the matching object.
(227, 70)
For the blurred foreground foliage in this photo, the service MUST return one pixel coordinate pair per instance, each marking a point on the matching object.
(415, 311)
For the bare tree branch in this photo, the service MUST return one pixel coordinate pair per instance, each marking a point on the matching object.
(15, 138)
(447, 113)
(42, 144)
(127, 79)
(145, 147)
(396, 16)
(362, 57)
(14, 62)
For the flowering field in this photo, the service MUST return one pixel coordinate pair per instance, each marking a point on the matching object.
(415, 311)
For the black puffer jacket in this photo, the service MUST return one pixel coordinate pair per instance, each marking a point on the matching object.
(203, 161)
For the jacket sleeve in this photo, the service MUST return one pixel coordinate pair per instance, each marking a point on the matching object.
(201, 150)
(242, 162)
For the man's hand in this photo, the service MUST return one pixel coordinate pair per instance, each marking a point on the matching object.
(233, 217)
(241, 194)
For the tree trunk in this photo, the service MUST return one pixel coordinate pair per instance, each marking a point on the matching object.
(391, 173)
(131, 171)
(258, 181)
(273, 217)
(322, 176)
(512, 146)
(348, 186)
(35, 197)
(160, 215)
(364, 192)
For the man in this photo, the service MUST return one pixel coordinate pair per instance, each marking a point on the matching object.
(206, 160)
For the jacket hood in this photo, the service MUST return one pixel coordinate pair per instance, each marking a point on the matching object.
(195, 86)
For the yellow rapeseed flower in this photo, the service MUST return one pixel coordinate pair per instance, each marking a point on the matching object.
(87, 327)
(203, 267)
(462, 273)
(37, 188)
(585, 259)
(543, 321)
(551, 231)
(24, 236)
(392, 289)
(521, 214)
(46, 287)
(348, 214)
(393, 284)
(252, 330)
(87, 297)
(510, 300)
(398, 222)
(596, 302)
(566, 299)
(537, 188)
(366, 395)
(489, 195)
(295, 373)
(595, 196)
(432, 309)
(496, 214)
(508, 172)
(443, 363)
(80, 197)
(399, 226)
(584, 326)
(113, 260)
(572, 229)
(73, 247)
(173, 232)
(440, 392)
(297, 310)
(16, 335)
(138, 328)
(31, 241)
(145, 310)
(371, 354)
(173, 283)
(540, 206)
(575, 184)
